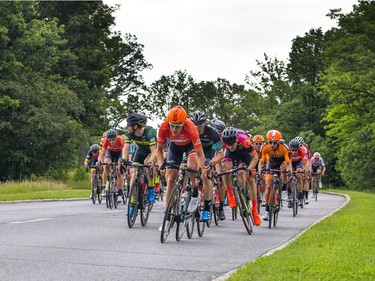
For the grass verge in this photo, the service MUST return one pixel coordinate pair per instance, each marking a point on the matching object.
(43, 189)
(340, 247)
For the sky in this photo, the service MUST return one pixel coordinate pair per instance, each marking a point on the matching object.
(213, 39)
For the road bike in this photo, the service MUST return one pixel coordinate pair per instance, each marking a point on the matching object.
(242, 200)
(275, 194)
(96, 186)
(294, 198)
(176, 210)
(111, 186)
(138, 195)
(260, 193)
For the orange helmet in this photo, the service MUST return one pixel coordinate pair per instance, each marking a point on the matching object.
(273, 135)
(177, 114)
(258, 138)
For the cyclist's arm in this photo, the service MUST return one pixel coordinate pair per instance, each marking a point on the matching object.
(153, 150)
(125, 151)
(254, 159)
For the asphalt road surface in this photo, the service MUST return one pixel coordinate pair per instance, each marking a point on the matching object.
(76, 240)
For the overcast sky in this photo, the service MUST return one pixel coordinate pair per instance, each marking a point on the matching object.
(213, 39)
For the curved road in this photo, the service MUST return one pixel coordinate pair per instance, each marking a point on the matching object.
(76, 240)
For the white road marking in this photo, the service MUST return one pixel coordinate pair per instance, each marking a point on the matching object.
(36, 220)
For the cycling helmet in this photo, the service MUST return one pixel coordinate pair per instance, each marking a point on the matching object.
(111, 134)
(198, 117)
(316, 155)
(294, 144)
(273, 135)
(177, 114)
(258, 138)
(94, 148)
(136, 119)
(300, 140)
(218, 125)
(229, 136)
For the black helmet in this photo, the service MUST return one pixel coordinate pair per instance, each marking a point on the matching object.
(111, 134)
(218, 125)
(294, 143)
(229, 136)
(136, 119)
(198, 117)
(94, 148)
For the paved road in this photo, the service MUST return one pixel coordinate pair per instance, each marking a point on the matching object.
(76, 240)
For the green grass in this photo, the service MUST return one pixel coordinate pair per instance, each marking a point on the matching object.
(43, 189)
(341, 247)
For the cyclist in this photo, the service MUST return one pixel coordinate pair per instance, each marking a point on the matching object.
(111, 152)
(298, 157)
(183, 137)
(213, 152)
(220, 126)
(318, 166)
(145, 139)
(258, 142)
(238, 149)
(276, 155)
(307, 166)
(91, 160)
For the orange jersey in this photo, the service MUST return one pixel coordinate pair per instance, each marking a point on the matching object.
(117, 146)
(277, 156)
(188, 134)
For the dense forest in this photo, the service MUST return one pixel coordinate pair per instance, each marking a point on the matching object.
(66, 76)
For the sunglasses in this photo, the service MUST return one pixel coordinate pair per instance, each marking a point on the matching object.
(258, 143)
(176, 126)
(273, 142)
(111, 140)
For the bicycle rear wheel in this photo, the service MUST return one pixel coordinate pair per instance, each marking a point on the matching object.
(146, 209)
(200, 224)
(271, 207)
(190, 221)
(170, 214)
(133, 206)
(277, 207)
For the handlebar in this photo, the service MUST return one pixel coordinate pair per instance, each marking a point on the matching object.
(231, 171)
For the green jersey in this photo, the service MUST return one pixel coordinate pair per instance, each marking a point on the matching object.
(143, 142)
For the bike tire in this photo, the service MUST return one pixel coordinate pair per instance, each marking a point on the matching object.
(107, 198)
(277, 207)
(316, 189)
(99, 195)
(181, 226)
(170, 214)
(132, 216)
(200, 224)
(245, 215)
(94, 184)
(211, 214)
(271, 207)
(190, 222)
(215, 213)
(146, 209)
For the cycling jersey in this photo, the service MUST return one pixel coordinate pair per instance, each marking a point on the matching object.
(275, 157)
(117, 146)
(298, 156)
(211, 142)
(143, 142)
(317, 162)
(188, 134)
(91, 158)
(243, 152)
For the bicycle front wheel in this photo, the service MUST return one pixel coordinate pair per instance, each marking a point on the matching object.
(245, 215)
(170, 215)
(200, 224)
(133, 202)
(145, 210)
(190, 221)
(271, 208)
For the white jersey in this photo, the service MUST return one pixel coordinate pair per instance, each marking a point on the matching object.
(317, 162)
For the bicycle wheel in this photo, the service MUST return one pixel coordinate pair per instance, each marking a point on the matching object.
(271, 207)
(107, 197)
(93, 189)
(316, 189)
(245, 215)
(99, 194)
(181, 224)
(294, 200)
(145, 210)
(277, 207)
(170, 214)
(211, 214)
(200, 224)
(215, 213)
(190, 221)
(133, 206)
